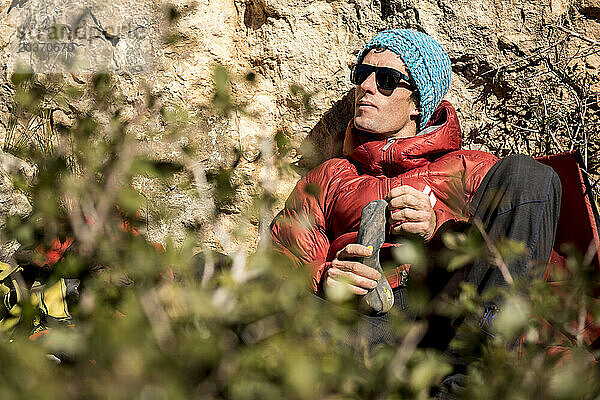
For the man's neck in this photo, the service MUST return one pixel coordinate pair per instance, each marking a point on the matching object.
(402, 134)
(408, 130)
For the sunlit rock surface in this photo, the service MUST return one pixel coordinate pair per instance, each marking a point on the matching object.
(282, 42)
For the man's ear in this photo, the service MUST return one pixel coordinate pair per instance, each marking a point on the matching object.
(415, 112)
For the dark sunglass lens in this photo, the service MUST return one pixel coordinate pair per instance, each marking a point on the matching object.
(359, 77)
(361, 73)
(386, 80)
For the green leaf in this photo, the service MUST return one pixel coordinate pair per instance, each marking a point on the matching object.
(22, 76)
(130, 199)
(429, 371)
(460, 260)
(513, 317)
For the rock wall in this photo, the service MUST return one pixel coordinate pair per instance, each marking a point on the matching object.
(311, 44)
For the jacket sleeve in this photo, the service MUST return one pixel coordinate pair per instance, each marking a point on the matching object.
(299, 230)
(475, 171)
(469, 168)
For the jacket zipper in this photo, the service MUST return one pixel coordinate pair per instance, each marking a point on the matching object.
(386, 157)
(390, 141)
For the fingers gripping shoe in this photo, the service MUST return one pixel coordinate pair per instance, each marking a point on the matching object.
(371, 233)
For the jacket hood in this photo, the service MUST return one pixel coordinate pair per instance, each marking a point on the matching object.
(390, 156)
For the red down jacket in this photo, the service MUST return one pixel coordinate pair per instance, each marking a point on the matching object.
(322, 214)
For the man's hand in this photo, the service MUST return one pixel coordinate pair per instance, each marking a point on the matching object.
(411, 212)
(343, 271)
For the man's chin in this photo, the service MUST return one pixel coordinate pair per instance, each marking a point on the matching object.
(364, 126)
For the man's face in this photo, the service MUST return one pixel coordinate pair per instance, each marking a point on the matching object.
(391, 113)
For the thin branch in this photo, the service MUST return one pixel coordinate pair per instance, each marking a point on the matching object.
(538, 52)
(397, 367)
(590, 253)
(209, 268)
(557, 326)
(577, 35)
(496, 256)
(522, 128)
(581, 323)
(159, 320)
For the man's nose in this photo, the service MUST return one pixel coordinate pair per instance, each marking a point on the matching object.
(369, 85)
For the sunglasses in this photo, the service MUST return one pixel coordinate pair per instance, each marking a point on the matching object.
(386, 78)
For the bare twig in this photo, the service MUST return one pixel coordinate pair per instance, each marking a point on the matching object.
(209, 268)
(159, 320)
(538, 52)
(577, 35)
(581, 323)
(558, 326)
(202, 185)
(397, 367)
(261, 329)
(239, 270)
(522, 128)
(590, 253)
(496, 256)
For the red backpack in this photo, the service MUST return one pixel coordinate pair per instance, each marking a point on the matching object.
(577, 225)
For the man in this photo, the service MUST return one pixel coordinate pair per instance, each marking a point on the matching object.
(403, 145)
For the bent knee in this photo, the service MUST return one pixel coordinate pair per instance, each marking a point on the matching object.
(523, 172)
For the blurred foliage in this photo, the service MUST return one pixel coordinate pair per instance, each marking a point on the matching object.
(165, 323)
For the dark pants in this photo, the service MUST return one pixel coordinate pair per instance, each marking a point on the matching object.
(518, 199)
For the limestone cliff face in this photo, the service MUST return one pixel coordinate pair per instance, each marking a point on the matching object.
(311, 44)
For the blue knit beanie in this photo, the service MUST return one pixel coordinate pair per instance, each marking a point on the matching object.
(426, 60)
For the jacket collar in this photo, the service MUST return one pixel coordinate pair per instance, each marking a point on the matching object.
(389, 157)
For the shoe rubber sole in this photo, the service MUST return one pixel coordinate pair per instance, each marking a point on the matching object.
(371, 233)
